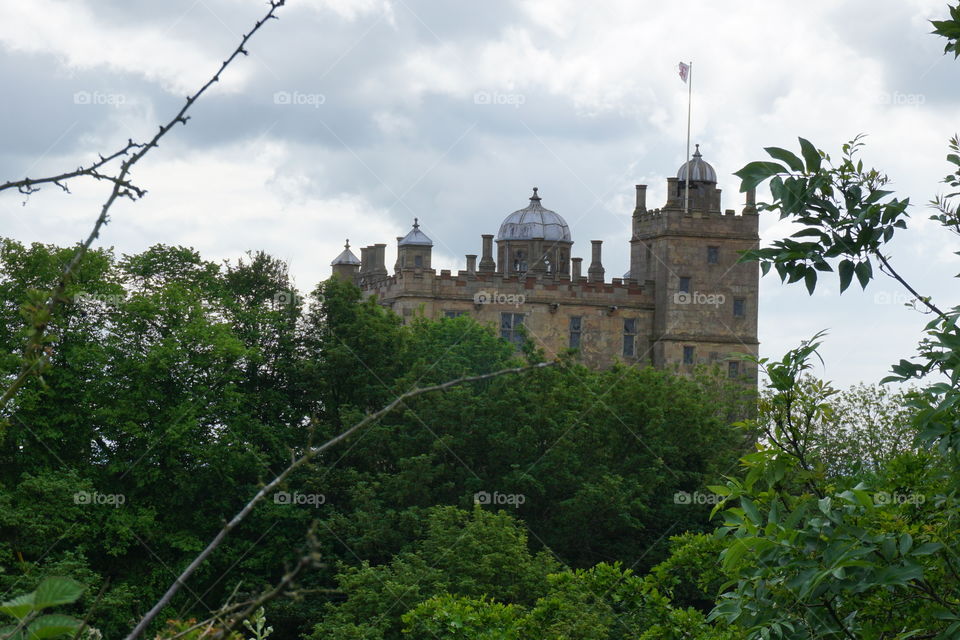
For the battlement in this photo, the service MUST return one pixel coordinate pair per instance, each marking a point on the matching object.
(672, 220)
(485, 288)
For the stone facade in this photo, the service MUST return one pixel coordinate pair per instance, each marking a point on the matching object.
(685, 300)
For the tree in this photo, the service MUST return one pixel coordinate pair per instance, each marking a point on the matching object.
(813, 556)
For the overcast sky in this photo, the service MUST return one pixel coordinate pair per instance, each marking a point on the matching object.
(349, 118)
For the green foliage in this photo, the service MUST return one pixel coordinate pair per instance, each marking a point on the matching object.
(27, 611)
(949, 29)
(844, 210)
(458, 618)
(258, 626)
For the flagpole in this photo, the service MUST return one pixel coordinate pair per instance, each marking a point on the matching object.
(686, 164)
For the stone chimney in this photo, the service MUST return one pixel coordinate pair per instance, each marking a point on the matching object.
(751, 206)
(377, 259)
(472, 263)
(641, 199)
(365, 266)
(577, 266)
(487, 265)
(595, 272)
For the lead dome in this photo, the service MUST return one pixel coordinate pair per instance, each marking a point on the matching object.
(700, 169)
(534, 221)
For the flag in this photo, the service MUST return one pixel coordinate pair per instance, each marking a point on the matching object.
(684, 71)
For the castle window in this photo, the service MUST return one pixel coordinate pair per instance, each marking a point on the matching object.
(733, 369)
(418, 262)
(629, 337)
(713, 255)
(519, 262)
(453, 314)
(576, 325)
(688, 355)
(684, 285)
(510, 327)
(739, 307)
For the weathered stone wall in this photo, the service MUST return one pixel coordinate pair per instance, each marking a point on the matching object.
(546, 305)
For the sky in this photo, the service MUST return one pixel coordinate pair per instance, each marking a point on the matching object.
(350, 118)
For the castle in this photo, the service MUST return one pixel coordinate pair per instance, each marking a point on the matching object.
(685, 301)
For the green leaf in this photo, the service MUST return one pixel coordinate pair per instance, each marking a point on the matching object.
(750, 509)
(18, 607)
(864, 272)
(810, 155)
(927, 548)
(756, 172)
(54, 625)
(788, 157)
(824, 504)
(846, 274)
(810, 279)
(906, 541)
(56, 591)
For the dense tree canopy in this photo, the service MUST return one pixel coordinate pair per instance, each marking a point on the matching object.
(178, 385)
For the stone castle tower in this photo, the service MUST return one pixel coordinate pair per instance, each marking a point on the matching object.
(685, 300)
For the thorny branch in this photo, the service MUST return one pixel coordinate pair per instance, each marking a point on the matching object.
(35, 355)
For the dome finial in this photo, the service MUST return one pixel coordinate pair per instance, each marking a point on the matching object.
(346, 245)
(696, 154)
(416, 223)
(535, 197)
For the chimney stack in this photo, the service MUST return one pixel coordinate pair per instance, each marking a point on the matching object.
(595, 272)
(377, 259)
(577, 265)
(641, 199)
(751, 206)
(487, 265)
(471, 264)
